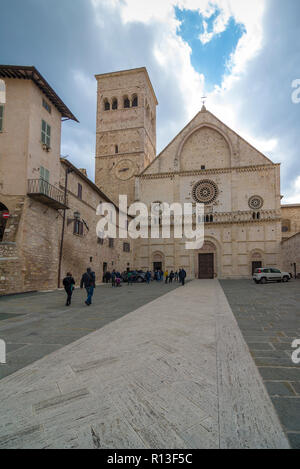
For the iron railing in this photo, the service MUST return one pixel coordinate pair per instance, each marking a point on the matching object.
(44, 188)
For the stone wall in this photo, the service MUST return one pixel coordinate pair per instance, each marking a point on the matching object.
(82, 251)
(10, 269)
(11, 263)
(132, 129)
(291, 254)
(290, 219)
(236, 246)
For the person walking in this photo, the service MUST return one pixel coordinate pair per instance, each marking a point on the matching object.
(171, 276)
(166, 275)
(129, 278)
(68, 283)
(113, 278)
(176, 276)
(182, 276)
(88, 280)
(148, 276)
(107, 277)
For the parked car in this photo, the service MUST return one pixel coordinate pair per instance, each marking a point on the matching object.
(138, 276)
(268, 274)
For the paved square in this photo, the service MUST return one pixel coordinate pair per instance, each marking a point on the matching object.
(269, 318)
(34, 325)
(173, 373)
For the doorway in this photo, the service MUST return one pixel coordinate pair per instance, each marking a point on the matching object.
(157, 266)
(256, 265)
(4, 213)
(206, 266)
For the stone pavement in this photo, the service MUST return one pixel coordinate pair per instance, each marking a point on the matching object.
(269, 318)
(174, 373)
(34, 325)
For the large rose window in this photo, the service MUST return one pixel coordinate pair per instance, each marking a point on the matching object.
(205, 192)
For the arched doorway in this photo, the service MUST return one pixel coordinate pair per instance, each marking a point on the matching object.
(158, 259)
(256, 261)
(4, 214)
(207, 261)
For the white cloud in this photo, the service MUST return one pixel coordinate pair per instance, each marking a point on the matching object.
(293, 196)
(138, 32)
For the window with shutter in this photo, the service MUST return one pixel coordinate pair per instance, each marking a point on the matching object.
(79, 192)
(46, 134)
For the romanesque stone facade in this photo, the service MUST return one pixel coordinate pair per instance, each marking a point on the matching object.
(206, 162)
(240, 188)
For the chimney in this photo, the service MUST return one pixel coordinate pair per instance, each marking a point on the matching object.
(83, 171)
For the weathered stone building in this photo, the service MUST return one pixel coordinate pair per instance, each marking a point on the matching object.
(126, 130)
(290, 214)
(206, 162)
(32, 192)
(82, 247)
(290, 249)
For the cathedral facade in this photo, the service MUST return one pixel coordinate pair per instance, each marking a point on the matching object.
(206, 163)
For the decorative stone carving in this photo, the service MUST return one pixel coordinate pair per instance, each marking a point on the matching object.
(205, 191)
(256, 202)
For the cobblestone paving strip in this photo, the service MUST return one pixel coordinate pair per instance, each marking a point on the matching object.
(269, 318)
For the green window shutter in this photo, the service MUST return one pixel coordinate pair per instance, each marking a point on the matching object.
(43, 134)
(46, 133)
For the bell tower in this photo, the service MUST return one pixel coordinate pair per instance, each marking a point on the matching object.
(126, 130)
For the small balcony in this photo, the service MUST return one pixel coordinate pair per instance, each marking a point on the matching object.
(41, 190)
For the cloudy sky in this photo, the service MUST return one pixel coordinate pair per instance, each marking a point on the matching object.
(243, 55)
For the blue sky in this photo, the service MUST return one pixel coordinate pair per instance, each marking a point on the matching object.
(243, 55)
(211, 58)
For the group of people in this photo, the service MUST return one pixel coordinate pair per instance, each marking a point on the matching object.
(110, 277)
(88, 281)
(176, 276)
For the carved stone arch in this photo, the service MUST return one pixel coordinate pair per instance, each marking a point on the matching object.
(211, 246)
(134, 100)
(158, 257)
(126, 101)
(114, 103)
(106, 104)
(177, 160)
(256, 256)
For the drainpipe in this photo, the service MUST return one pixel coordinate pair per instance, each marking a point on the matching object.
(68, 170)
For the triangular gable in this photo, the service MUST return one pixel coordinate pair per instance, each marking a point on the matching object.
(242, 152)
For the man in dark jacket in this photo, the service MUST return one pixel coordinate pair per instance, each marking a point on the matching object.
(88, 280)
(182, 276)
(68, 283)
